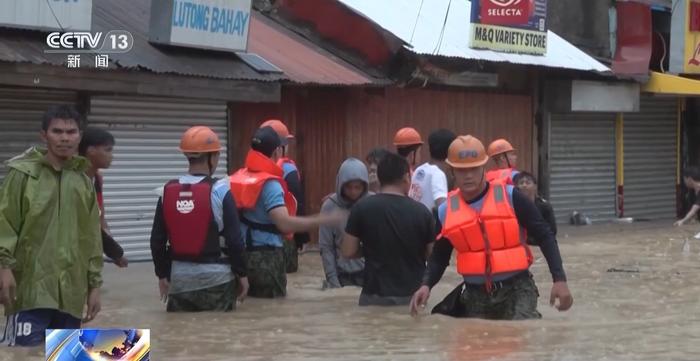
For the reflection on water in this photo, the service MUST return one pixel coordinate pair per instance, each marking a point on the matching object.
(650, 313)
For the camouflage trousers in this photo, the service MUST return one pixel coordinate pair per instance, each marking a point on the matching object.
(217, 298)
(266, 272)
(514, 299)
(291, 256)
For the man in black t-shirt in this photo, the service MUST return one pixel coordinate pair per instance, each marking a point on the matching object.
(527, 185)
(394, 233)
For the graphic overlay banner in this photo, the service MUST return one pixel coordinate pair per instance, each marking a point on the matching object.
(98, 345)
(516, 26)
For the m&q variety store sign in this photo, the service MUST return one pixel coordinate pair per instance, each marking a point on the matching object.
(517, 26)
(207, 24)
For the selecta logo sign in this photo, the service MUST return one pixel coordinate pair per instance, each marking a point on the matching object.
(506, 12)
(506, 3)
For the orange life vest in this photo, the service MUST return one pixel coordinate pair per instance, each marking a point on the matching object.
(488, 242)
(505, 174)
(247, 183)
(283, 160)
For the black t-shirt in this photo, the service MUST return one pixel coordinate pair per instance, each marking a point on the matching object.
(394, 231)
(547, 213)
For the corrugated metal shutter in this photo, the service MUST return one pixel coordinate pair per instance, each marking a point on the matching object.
(650, 159)
(21, 111)
(582, 163)
(147, 131)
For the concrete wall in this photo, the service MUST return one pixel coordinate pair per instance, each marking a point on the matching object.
(583, 23)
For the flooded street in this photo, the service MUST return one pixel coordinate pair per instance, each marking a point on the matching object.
(645, 308)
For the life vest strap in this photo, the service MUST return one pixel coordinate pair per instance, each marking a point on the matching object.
(269, 228)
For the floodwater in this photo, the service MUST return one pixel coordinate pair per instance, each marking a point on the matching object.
(645, 308)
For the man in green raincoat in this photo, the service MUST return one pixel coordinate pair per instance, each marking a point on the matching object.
(50, 242)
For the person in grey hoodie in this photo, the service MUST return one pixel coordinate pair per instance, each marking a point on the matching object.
(352, 184)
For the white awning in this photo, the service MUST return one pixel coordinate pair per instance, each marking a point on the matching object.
(423, 33)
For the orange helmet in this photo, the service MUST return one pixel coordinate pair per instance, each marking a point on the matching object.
(466, 152)
(200, 139)
(406, 137)
(499, 146)
(279, 128)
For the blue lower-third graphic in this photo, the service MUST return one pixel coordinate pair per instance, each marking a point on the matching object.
(98, 345)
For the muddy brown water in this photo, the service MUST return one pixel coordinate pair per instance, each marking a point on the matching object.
(648, 309)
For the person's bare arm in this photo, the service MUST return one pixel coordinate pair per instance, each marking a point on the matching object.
(288, 224)
(691, 213)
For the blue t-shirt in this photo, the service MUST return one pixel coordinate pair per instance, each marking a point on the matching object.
(442, 213)
(514, 173)
(271, 197)
(287, 168)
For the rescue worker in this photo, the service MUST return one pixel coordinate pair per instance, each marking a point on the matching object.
(292, 176)
(408, 143)
(486, 223)
(193, 274)
(96, 145)
(429, 182)
(267, 212)
(50, 246)
(503, 155)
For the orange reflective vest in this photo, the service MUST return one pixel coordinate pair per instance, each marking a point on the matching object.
(488, 242)
(247, 183)
(505, 174)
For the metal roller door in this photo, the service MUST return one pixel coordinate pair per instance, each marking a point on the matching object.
(147, 132)
(582, 165)
(650, 159)
(21, 111)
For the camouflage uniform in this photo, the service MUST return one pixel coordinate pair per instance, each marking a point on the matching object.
(515, 299)
(266, 272)
(291, 256)
(217, 298)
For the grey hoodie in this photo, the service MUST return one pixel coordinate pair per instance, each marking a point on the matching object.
(331, 236)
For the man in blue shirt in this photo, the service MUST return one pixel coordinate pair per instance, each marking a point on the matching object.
(267, 212)
(292, 176)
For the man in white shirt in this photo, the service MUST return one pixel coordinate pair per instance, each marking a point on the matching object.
(429, 182)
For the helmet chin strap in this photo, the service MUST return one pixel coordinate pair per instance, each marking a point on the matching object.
(209, 165)
(507, 160)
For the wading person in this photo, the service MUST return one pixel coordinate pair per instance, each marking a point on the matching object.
(292, 176)
(267, 212)
(50, 244)
(429, 182)
(194, 273)
(393, 233)
(503, 155)
(484, 222)
(691, 178)
(373, 158)
(352, 185)
(527, 185)
(96, 145)
(408, 143)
